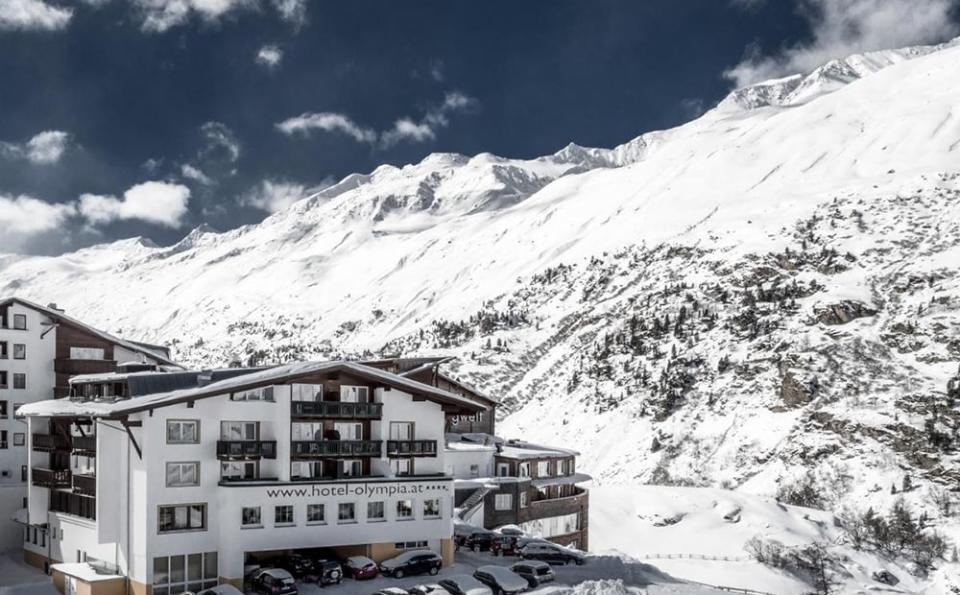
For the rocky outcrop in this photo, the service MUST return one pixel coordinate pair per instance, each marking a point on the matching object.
(842, 312)
(794, 393)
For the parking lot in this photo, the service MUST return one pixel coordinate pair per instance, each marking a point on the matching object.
(597, 568)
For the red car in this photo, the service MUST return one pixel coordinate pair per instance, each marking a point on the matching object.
(360, 567)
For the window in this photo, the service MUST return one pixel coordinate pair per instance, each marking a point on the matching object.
(351, 468)
(306, 392)
(239, 430)
(283, 515)
(20, 322)
(402, 467)
(306, 469)
(431, 508)
(182, 517)
(410, 545)
(524, 469)
(19, 351)
(543, 469)
(553, 526)
(404, 510)
(257, 394)
(177, 574)
(251, 517)
(376, 512)
(238, 470)
(503, 469)
(346, 512)
(23, 477)
(183, 474)
(3, 350)
(474, 470)
(87, 353)
(19, 439)
(16, 407)
(3, 409)
(3, 379)
(316, 513)
(3, 438)
(354, 394)
(523, 499)
(20, 381)
(183, 431)
(348, 430)
(401, 430)
(503, 502)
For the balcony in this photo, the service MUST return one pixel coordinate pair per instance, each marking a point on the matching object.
(85, 485)
(51, 478)
(50, 442)
(336, 409)
(72, 367)
(246, 449)
(411, 448)
(85, 445)
(336, 448)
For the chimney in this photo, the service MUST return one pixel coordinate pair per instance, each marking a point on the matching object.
(53, 306)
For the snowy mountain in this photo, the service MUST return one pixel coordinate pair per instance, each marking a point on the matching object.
(761, 298)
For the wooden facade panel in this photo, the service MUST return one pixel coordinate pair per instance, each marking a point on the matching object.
(70, 336)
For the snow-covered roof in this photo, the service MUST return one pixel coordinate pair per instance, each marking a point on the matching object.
(84, 572)
(267, 377)
(59, 315)
(560, 480)
(526, 450)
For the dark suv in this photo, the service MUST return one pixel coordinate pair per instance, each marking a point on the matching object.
(481, 541)
(551, 553)
(273, 581)
(413, 562)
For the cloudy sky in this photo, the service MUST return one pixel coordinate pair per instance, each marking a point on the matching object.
(121, 118)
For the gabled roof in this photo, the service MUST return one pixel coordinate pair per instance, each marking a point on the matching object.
(60, 316)
(434, 363)
(268, 377)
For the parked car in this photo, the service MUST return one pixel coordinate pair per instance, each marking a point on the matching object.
(328, 572)
(224, 589)
(410, 563)
(273, 581)
(360, 567)
(391, 591)
(551, 553)
(535, 571)
(501, 580)
(505, 545)
(464, 584)
(512, 530)
(480, 541)
(431, 589)
(301, 567)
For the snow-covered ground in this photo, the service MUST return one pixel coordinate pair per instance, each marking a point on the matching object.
(18, 578)
(698, 534)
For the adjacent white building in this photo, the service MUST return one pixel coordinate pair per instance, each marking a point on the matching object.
(40, 349)
(179, 488)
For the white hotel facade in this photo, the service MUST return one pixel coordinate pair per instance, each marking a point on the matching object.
(178, 489)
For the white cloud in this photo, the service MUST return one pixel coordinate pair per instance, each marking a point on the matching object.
(24, 215)
(162, 203)
(274, 195)
(219, 141)
(327, 122)
(403, 129)
(844, 27)
(196, 174)
(292, 11)
(269, 56)
(44, 148)
(33, 15)
(47, 147)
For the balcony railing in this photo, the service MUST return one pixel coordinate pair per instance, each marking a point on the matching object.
(336, 409)
(259, 449)
(336, 448)
(50, 442)
(411, 448)
(85, 445)
(51, 478)
(84, 484)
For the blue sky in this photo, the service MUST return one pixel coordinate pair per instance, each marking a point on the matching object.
(149, 117)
